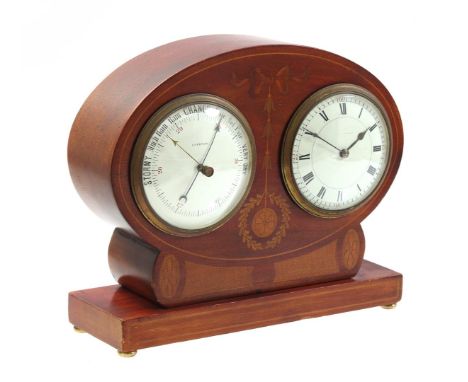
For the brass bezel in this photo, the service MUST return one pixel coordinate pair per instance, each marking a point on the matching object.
(139, 148)
(291, 131)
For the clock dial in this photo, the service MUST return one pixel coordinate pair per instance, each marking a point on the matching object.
(336, 150)
(193, 164)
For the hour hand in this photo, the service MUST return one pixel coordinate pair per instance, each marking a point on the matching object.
(360, 137)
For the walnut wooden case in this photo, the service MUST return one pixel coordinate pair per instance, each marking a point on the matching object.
(267, 81)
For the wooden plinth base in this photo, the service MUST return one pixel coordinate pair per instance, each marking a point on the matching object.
(129, 322)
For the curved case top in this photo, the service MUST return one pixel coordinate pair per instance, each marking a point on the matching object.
(266, 81)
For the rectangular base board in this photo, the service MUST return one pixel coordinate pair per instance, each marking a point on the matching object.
(129, 322)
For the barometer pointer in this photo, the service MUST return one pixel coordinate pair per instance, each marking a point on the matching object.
(205, 170)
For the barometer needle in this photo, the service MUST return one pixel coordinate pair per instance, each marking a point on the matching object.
(205, 170)
(176, 143)
(212, 139)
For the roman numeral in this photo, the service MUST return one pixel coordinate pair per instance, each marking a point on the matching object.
(373, 127)
(324, 115)
(339, 197)
(359, 188)
(322, 192)
(343, 108)
(308, 177)
(377, 148)
(371, 170)
(359, 116)
(305, 156)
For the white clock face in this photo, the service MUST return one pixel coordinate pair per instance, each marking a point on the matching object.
(197, 165)
(340, 151)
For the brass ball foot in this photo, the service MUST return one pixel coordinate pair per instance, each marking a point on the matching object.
(126, 354)
(389, 306)
(78, 330)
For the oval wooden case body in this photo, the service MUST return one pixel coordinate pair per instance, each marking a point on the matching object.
(270, 243)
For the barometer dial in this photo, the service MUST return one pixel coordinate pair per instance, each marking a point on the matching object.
(193, 164)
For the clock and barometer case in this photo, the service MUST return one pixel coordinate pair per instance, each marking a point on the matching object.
(237, 171)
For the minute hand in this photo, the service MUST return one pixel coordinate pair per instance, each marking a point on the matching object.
(319, 137)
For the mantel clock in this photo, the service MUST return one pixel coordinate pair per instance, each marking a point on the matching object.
(237, 171)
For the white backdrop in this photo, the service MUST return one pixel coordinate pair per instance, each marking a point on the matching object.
(56, 52)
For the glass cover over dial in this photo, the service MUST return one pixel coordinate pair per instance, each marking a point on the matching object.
(336, 150)
(193, 164)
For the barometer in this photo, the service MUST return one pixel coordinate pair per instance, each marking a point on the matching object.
(192, 164)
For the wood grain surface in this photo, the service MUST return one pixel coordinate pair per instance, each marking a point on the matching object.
(129, 322)
(173, 280)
